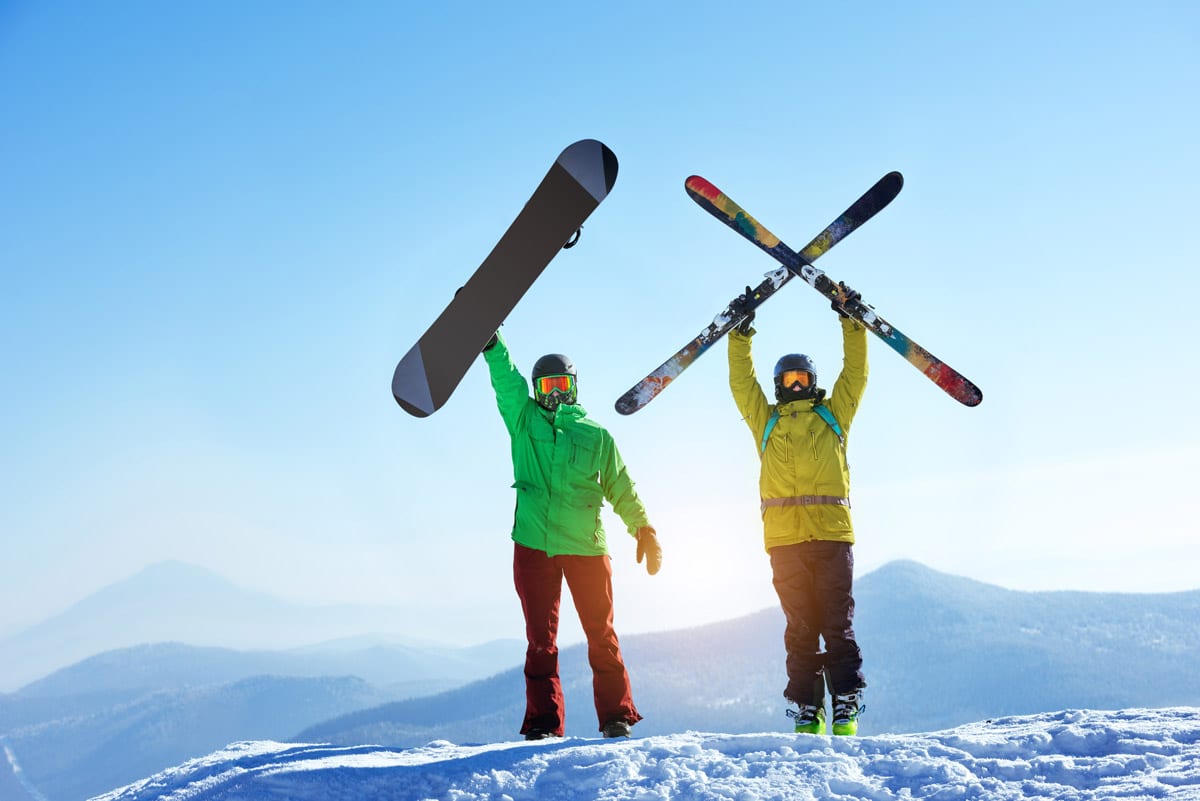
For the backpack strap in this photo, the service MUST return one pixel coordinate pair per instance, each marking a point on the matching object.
(771, 421)
(826, 415)
(821, 410)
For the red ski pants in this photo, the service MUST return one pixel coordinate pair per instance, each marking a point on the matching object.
(538, 579)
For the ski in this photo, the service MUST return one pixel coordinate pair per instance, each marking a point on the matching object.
(720, 206)
(708, 196)
(580, 178)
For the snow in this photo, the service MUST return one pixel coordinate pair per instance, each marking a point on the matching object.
(1074, 754)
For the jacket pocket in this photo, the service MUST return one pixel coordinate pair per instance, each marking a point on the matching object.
(780, 447)
(586, 500)
(584, 458)
(834, 520)
(587, 495)
(529, 500)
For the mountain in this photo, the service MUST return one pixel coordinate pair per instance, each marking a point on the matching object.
(81, 755)
(127, 713)
(143, 668)
(939, 651)
(949, 650)
(176, 602)
(395, 670)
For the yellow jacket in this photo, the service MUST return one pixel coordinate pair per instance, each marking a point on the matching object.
(804, 456)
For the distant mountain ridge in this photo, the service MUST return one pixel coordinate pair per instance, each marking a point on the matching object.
(940, 651)
(146, 667)
(80, 755)
(126, 713)
(177, 602)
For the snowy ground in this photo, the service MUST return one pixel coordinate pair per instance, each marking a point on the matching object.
(1066, 755)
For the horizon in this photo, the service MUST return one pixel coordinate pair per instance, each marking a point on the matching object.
(167, 566)
(225, 225)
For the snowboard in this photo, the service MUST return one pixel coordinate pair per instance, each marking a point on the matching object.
(872, 202)
(720, 206)
(580, 178)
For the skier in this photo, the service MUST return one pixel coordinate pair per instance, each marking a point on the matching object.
(804, 484)
(565, 466)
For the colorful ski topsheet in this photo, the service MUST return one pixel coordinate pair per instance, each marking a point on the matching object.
(721, 207)
(580, 178)
(716, 203)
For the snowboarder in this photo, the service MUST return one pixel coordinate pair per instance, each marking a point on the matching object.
(565, 466)
(804, 484)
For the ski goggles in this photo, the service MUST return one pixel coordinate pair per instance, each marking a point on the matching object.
(549, 384)
(789, 377)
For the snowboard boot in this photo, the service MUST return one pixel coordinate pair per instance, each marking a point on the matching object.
(810, 719)
(846, 709)
(616, 728)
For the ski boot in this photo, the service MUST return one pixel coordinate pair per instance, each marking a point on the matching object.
(810, 719)
(846, 709)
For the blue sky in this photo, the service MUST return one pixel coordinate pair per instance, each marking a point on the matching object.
(223, 225)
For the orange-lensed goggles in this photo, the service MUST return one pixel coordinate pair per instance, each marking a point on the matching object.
(790, 377)
(549, 384)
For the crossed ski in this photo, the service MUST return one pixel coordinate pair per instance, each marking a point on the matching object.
(799, 264)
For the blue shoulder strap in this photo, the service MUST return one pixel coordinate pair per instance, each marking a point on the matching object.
(822, 411)
(771, 421)
(828, 417)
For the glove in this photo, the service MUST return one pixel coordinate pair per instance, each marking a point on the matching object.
(741, 305)
(648, 547)
(851, 297)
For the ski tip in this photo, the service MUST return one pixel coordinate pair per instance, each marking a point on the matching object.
(889, 186)
(963, 391)
(630, 402)
(949, 380)
(648, 388)
(699, 185)
(592, 164)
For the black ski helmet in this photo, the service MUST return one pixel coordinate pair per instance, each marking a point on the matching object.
(555, 364)
(795, 361)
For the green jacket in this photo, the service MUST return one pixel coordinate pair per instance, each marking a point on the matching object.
(803, 454)
(564, 467)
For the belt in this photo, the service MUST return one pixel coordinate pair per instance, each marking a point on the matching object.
(805, 500)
